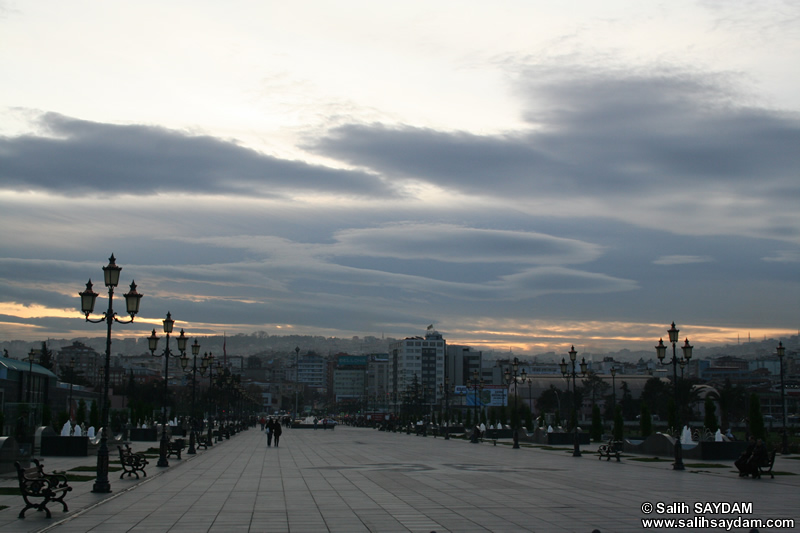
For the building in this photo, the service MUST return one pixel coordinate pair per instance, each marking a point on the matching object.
(417, 362)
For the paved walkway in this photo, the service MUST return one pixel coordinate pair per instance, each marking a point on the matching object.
(357, 480)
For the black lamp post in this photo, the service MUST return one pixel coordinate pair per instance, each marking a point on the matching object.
(210, 367)
(567, 373)
(661, 352)
(71, 379)
(445, 388)
(476, 386)
(511, 376)
(88, 298)
(780, 351)
(166, 354)
(31, 358)
(296, 377)
(184, 365)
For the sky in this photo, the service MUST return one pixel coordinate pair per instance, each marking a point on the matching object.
(523, 175)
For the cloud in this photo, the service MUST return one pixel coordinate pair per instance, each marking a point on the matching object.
(652, 148)
(78, 157)
(450, 243)
(682, 259)
(784, 256)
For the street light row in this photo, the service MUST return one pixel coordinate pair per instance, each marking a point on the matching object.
(111, 275)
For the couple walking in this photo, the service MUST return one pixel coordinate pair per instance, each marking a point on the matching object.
(273, 431)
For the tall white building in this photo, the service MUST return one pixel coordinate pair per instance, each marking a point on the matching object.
(420, 357)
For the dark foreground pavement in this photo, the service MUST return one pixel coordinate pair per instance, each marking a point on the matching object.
(356, 480)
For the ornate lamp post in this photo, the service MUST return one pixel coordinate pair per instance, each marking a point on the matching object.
(476, 386)
(31, 359)
(445, 388)
(511, 376)
(780, 351)
(193, 371)
(88, 298)
(166, 354)
(296, 376)
(661, 352)
(576, 450)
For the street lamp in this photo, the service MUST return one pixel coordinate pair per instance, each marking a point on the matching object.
(166, 354)
(184, 364)
(31, 358)
(661, 352)
(445, 388)
(576, 449)
(515, 415)
(780, 351)
(296, 376)
(211, 417)
(476, 386)
(71, 379)
(88, 298)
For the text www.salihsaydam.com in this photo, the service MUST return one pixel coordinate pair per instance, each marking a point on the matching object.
(717, 523)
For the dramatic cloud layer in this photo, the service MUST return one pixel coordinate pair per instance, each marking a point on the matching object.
(502, 176)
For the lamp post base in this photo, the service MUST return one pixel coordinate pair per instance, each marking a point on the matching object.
(101, 483)
(576, 449)
(678, 464)
(163, 448)
(516, 440)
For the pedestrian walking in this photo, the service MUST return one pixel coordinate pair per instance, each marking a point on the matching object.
(277, 431)
(270, 430)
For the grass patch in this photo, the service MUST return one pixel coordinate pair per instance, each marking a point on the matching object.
(706, 465)
(651, 459)
(10, 491)
(76, 477)
(94, 469)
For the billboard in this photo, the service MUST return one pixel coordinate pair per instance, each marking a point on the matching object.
(488, 396)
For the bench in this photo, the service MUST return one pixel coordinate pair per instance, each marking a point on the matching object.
(176, 447)
(611, 449)
(35, 484)
(132, 463)
(766, 467)
(201, 441)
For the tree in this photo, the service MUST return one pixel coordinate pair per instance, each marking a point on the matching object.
(656, 395)
(594, 387)
(46, 357)
(732, 400)
(628, 405)
(619, 424)
(710, 419)
(80, 416)
(597, 424)
(756, 419)
(672, 419)
(549, 401)
(645, 421)
(47, 415)
(94, 416)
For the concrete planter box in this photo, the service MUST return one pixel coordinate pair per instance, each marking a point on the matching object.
(59, 446)
(144, 434)
(560, 439)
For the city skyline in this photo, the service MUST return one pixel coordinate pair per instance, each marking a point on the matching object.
(521, 175)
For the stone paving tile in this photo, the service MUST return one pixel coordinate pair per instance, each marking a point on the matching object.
(357, 479)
